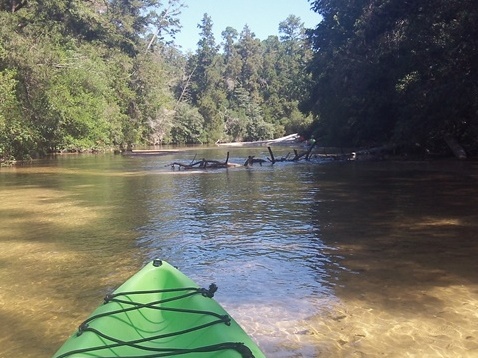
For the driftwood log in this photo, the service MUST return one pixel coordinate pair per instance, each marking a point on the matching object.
(251, 160)
(205, 164)
(297, 155)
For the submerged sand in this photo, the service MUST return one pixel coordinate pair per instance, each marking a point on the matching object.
(412, 293)
(437, 323)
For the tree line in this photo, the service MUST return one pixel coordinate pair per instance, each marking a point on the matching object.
(88, 75)
(403, 73)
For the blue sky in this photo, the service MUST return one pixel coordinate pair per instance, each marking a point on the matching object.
(262, 17)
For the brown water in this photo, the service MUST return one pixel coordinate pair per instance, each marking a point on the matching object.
(313, 259)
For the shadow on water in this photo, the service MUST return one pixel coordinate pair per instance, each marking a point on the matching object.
(407, 235)
(65, 237)
(381, 213)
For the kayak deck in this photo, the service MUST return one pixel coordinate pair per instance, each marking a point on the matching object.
(178, 319)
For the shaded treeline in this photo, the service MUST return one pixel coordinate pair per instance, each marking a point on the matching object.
(396, 72)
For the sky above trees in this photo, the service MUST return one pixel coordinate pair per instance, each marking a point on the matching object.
(262, 17)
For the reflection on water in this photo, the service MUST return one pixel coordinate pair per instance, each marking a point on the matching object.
(329, 259)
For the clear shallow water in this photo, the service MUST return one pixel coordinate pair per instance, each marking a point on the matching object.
(253, 233)
(313, 259)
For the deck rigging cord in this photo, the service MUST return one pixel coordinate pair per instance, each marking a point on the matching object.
(139, 344)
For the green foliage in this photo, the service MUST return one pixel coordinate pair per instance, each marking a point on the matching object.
(206, 90)
(154, 100)
(284, 77)
(81, 103)
(13, 136)
(395, 72)
(249, 49)
(7, 94)
(72, 75)
(188, 125)
(80, 75)
(250, 91)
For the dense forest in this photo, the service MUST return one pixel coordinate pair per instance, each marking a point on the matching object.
(87, 75)
(91, 75)
(396, 72)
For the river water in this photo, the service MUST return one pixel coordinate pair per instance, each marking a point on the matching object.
(313, 259)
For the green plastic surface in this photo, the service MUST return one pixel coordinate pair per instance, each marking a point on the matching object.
(129, 333)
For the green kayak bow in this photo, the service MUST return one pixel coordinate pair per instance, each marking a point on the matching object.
(160, 312)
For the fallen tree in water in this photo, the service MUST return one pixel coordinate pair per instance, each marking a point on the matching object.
(297, 155)
(250, 161)
(205, 164)
(311, 152)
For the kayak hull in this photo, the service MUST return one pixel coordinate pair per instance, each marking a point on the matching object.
(160, 312)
